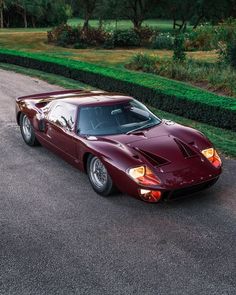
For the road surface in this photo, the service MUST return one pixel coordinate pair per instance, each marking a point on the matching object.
(58, 237)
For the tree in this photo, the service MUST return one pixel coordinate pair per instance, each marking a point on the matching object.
(1, 13)
(181, 11)
(137, 10)
(88, 7)
(34, 12)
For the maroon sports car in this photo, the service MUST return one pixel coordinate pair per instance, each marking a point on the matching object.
(119, 143)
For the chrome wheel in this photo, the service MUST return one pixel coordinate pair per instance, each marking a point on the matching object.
(27, 131)
(98, 173)
(26, 128)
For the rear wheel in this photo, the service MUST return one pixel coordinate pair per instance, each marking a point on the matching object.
(99, 177)
(27, 131)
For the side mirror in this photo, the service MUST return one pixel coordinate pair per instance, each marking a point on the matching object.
(42, 125)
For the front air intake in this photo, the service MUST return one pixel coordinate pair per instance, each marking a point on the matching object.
(153, 159)
(185, 149)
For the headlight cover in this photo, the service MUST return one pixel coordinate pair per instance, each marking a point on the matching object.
(212, 156)
(143, 175)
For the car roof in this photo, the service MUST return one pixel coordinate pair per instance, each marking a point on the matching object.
(86, 98)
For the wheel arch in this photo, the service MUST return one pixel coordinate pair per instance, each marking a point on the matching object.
(85, 160)
(18, 117)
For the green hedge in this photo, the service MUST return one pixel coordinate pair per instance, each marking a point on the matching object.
(167, 95)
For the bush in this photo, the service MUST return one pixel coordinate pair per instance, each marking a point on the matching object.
(230, 54)
(214, 76)
(226, 31)
(126, 38)
(145, 34)
(144, 62)
(159, 92)
(179, 53)
(80, 45)
(109, 43)
(65, 35)
(202, 38)
(93, 36)
(162, 41)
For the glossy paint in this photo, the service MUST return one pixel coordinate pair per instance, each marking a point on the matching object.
(170, 150)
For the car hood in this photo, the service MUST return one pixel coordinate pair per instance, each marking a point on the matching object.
(170, 146)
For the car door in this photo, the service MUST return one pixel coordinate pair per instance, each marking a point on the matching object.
(60, 129)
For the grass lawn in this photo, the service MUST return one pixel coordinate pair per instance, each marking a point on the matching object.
(224, 140)
(161, 25)
(36, 41)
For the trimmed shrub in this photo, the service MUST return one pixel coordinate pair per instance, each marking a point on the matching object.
(162, 41)
(159, 92)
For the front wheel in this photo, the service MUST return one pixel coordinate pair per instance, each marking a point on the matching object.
(27, 131)
(99, 177)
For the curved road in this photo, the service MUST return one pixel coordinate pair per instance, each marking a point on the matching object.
(58, 237)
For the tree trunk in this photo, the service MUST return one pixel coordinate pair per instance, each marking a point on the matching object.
(174, 24)
(86, 22)
(33, 22)
(197, 22)
(137, 24)
(25, 19)
(1, 17)
(100, 23)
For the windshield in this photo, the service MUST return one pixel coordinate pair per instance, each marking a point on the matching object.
(122, 118)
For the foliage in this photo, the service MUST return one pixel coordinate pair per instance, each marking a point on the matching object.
(230, 55)
(134, 10)
(109, 43)
(65, 35)
(162, 41)
(214, 76)
(93, 36)
(145, 34)
(126, 38)
(168, 95)
(88, 7)
(202, 38)
(32, 13)
(179, 50)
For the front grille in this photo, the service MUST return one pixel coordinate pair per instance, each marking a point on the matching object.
(183, 192)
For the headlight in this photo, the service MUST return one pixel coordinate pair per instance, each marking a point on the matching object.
(143, 175)
(212, 155)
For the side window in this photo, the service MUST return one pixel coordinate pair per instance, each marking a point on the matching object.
(63, 115)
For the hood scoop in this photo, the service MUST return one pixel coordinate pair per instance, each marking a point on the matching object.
(185, 149)
(153, 159)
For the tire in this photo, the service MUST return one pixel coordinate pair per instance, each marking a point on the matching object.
(27, 131)
(98, 176)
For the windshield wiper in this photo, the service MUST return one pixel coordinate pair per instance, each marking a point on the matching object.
(149, 125)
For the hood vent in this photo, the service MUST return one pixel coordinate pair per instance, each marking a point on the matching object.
(185, 149)
(153, 159)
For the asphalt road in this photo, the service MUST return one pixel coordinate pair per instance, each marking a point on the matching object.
(58, 237)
